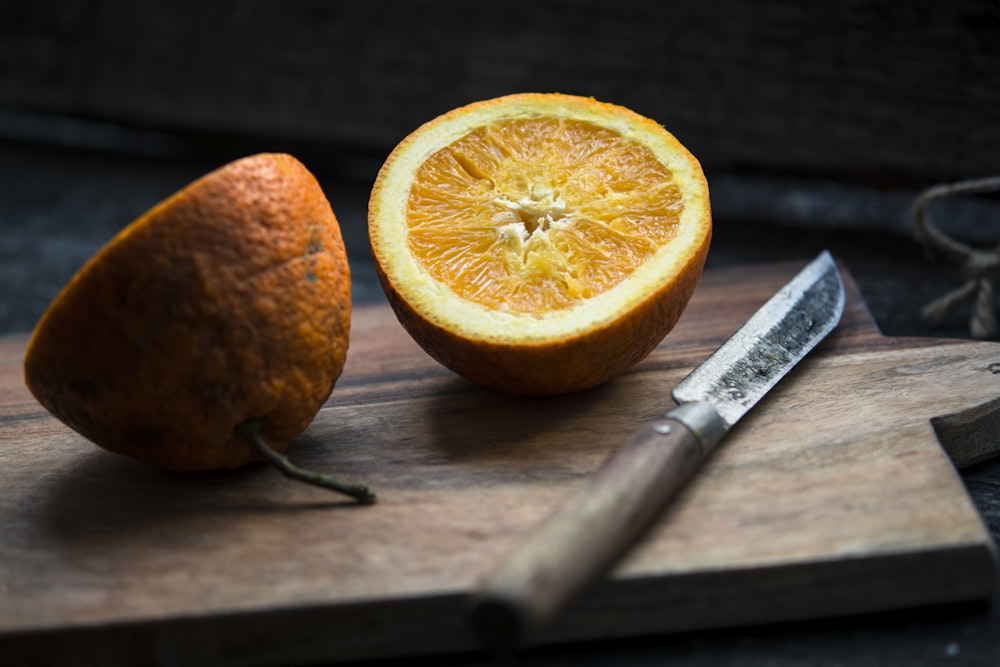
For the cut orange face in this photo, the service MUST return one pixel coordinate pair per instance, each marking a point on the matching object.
(539, 243)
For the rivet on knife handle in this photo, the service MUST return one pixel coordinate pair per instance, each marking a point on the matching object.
(588, 534)
(606, 516)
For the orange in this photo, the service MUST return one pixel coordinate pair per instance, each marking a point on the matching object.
(217, 321)
(539, 243)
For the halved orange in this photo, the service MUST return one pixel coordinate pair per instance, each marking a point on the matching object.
(209, 331)
(539, 243)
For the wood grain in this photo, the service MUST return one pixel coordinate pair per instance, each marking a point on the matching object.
(833, 497)
(584, 537)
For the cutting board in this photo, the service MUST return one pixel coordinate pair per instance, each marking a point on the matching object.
(833, 497)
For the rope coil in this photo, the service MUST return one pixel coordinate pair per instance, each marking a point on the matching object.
(981, 267)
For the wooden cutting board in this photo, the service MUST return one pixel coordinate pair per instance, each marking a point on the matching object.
(833, 497)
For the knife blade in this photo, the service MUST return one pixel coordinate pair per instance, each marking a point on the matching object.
(586, 536)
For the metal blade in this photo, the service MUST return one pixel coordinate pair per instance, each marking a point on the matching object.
(764, 349)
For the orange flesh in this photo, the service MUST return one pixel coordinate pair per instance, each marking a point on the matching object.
(534, 215)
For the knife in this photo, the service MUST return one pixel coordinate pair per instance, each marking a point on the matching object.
(584, 538)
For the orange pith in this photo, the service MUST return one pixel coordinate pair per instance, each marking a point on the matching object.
(538, 214)
(539, 243)
(226, 303)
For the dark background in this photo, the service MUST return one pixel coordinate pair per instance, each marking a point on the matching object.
(817, 124)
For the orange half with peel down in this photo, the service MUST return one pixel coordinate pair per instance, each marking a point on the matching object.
(539, 243)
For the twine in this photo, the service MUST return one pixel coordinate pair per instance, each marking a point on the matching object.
(981, 267)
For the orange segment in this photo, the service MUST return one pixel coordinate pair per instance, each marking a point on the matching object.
(539, 243)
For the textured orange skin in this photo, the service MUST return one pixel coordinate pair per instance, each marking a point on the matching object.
(572, 364)
(227, 302)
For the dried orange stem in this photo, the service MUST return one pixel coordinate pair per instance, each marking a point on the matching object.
(250, 431)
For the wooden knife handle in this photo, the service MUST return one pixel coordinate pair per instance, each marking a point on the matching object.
(587, 535)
